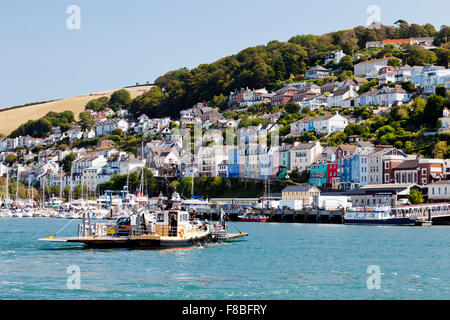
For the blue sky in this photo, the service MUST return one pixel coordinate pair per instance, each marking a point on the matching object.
(124, 42)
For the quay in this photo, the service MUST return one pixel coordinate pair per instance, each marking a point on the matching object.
(277, 215)
(424, 214)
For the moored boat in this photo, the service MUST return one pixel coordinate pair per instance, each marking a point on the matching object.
(249, 216)
(378, 215)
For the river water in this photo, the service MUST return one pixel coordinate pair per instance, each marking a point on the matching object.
(276, 261)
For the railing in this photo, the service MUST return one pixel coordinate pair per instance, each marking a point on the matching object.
(139, 230)
(420, 212)
(173, 231)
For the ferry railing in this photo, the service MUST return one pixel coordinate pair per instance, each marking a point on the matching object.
(139, 230)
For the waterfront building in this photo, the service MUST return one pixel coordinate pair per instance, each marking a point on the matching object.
(391, 194)
(439, 191)
(299, 196)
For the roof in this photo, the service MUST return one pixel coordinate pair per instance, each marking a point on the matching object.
(371, 61)
(407, 164)
(439, 182)
(298, 188)
(319, 68)
(341, 91)
(303, 146)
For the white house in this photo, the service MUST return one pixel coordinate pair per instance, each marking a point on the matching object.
(75, 133)
(313, 103)
(317, 72)
(320, 124)
(304, 154)
(108, 126)
(445, 121)
(403, 73)
(337, 98)
(335, 56)
(434, 76)
(368, 66)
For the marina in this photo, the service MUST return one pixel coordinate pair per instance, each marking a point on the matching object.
(248, 210)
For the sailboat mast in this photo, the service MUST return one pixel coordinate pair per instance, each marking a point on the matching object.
(192, 186)
(60, 184)
(7, 186)
(17, 182)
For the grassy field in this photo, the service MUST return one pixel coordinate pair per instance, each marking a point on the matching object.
(11, 119)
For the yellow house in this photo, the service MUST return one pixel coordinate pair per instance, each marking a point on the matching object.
(305, 193)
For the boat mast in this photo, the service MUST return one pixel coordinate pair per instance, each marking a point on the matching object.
(43, 192)
(7, 186)
(60, 184)
(192, 185)
(17, 182)
(71, 184)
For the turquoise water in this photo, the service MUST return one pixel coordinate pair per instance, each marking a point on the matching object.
(276, 261)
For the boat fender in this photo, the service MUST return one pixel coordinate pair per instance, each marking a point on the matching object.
(181, 233)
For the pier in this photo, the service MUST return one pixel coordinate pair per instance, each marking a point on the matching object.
(426, 214)
(283, 216)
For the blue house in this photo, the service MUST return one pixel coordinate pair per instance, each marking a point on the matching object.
(233, 163)
(349, 172)
(318, 174)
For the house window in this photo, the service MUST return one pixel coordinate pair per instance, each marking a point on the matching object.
(424, 171)
(386, 177)
(386, 165)
(424, 180)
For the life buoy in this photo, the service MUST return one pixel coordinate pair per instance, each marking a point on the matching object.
(181, 233)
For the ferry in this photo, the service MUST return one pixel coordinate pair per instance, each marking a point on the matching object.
(378, 215)
(169, 228)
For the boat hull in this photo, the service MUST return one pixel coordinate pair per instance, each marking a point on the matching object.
(253, 219)
(391, 221)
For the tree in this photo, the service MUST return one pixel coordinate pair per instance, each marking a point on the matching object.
(147, 103)
(67, 162)
(443, 56)
(99, 104)
(433, 109)
(292, 108)
(415, 197)
(409, 147)
(394, 62)
(440, 149)
(419, 56)
(10, 159)
(86, 120)
(346, 63)
(442, 36)
(119, 99)
(347, 41)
